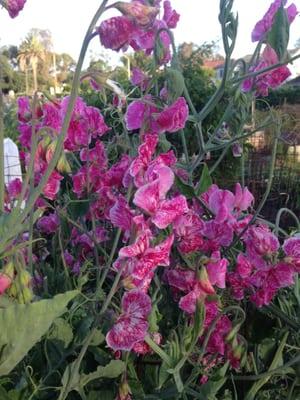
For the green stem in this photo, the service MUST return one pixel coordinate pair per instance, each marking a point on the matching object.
(278, 217)
(262, 71)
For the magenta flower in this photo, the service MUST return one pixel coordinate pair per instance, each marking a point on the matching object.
(145, 153)
(263, 26)
(269, 79)
(174, 117)
(116, 33)
(216, 269)
(291, 247)
(243, 198)
(197, 288)
(5, 282)
(139, 78)
(48, 224)
(121, 215)
(132, 325)
(171, 17)
(151, 199)
(261, 244)
(14, 188)
(52, 186)
(117, 174)
(14, 7)
(142, 15)
(139, 260)
(139, 114)
(188, 228)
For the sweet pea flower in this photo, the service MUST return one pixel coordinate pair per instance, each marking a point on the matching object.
(139, 260)
(13, 6)
(188, 230)
(145, 153)
(171, 17)
(269, 79)
(140, 114)
(14, 188)
(216, 269)
(139, 78)
(143, 16)
(48, 224)
(52, 186)
(132, 325)
(173, 117)
(263, 26)
(151, 198)
(5, 282)
(197, 288)
(291, 248)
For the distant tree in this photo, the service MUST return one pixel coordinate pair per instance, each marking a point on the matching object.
(31, 53)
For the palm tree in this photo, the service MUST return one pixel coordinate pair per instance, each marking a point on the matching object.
(30, 54)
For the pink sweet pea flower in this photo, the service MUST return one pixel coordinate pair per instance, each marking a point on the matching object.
(269, 79)
(174, 117)
(140, 114)
(261, 243)
(188, 229)
(139, 261)
(151, 199)
(122, 216)
(14, 188)
(291, 247)
(52, 186)
(263, 26)
(216, 269)
(132, 325)
(187, 281)
(5, 282)
(48, 224)
(14, 7)
(116, 33)
(243, 198)
(139, 78)
(145, 153)
(171, 17)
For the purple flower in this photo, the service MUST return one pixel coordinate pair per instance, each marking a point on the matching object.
(265, 24)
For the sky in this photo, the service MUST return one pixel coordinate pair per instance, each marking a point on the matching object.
(68, 19)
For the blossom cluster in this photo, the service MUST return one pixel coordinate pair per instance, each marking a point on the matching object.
(186, 244)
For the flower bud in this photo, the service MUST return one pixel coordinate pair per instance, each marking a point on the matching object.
(24, 278)
(25, 296)
(124, 391)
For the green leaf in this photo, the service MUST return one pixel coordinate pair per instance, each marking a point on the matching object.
(112, 370)
(184, 188)
(209, 390)
(278, 37)
(61, 331)
(73, 380)
(205, 181)
(98, 338)
(23, 325)
(277, 361)
(101, 394)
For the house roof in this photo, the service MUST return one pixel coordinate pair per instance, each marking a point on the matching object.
(213, 64)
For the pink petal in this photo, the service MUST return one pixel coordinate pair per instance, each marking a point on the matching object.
(169, 210)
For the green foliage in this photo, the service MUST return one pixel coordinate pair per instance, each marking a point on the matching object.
(22, 326)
